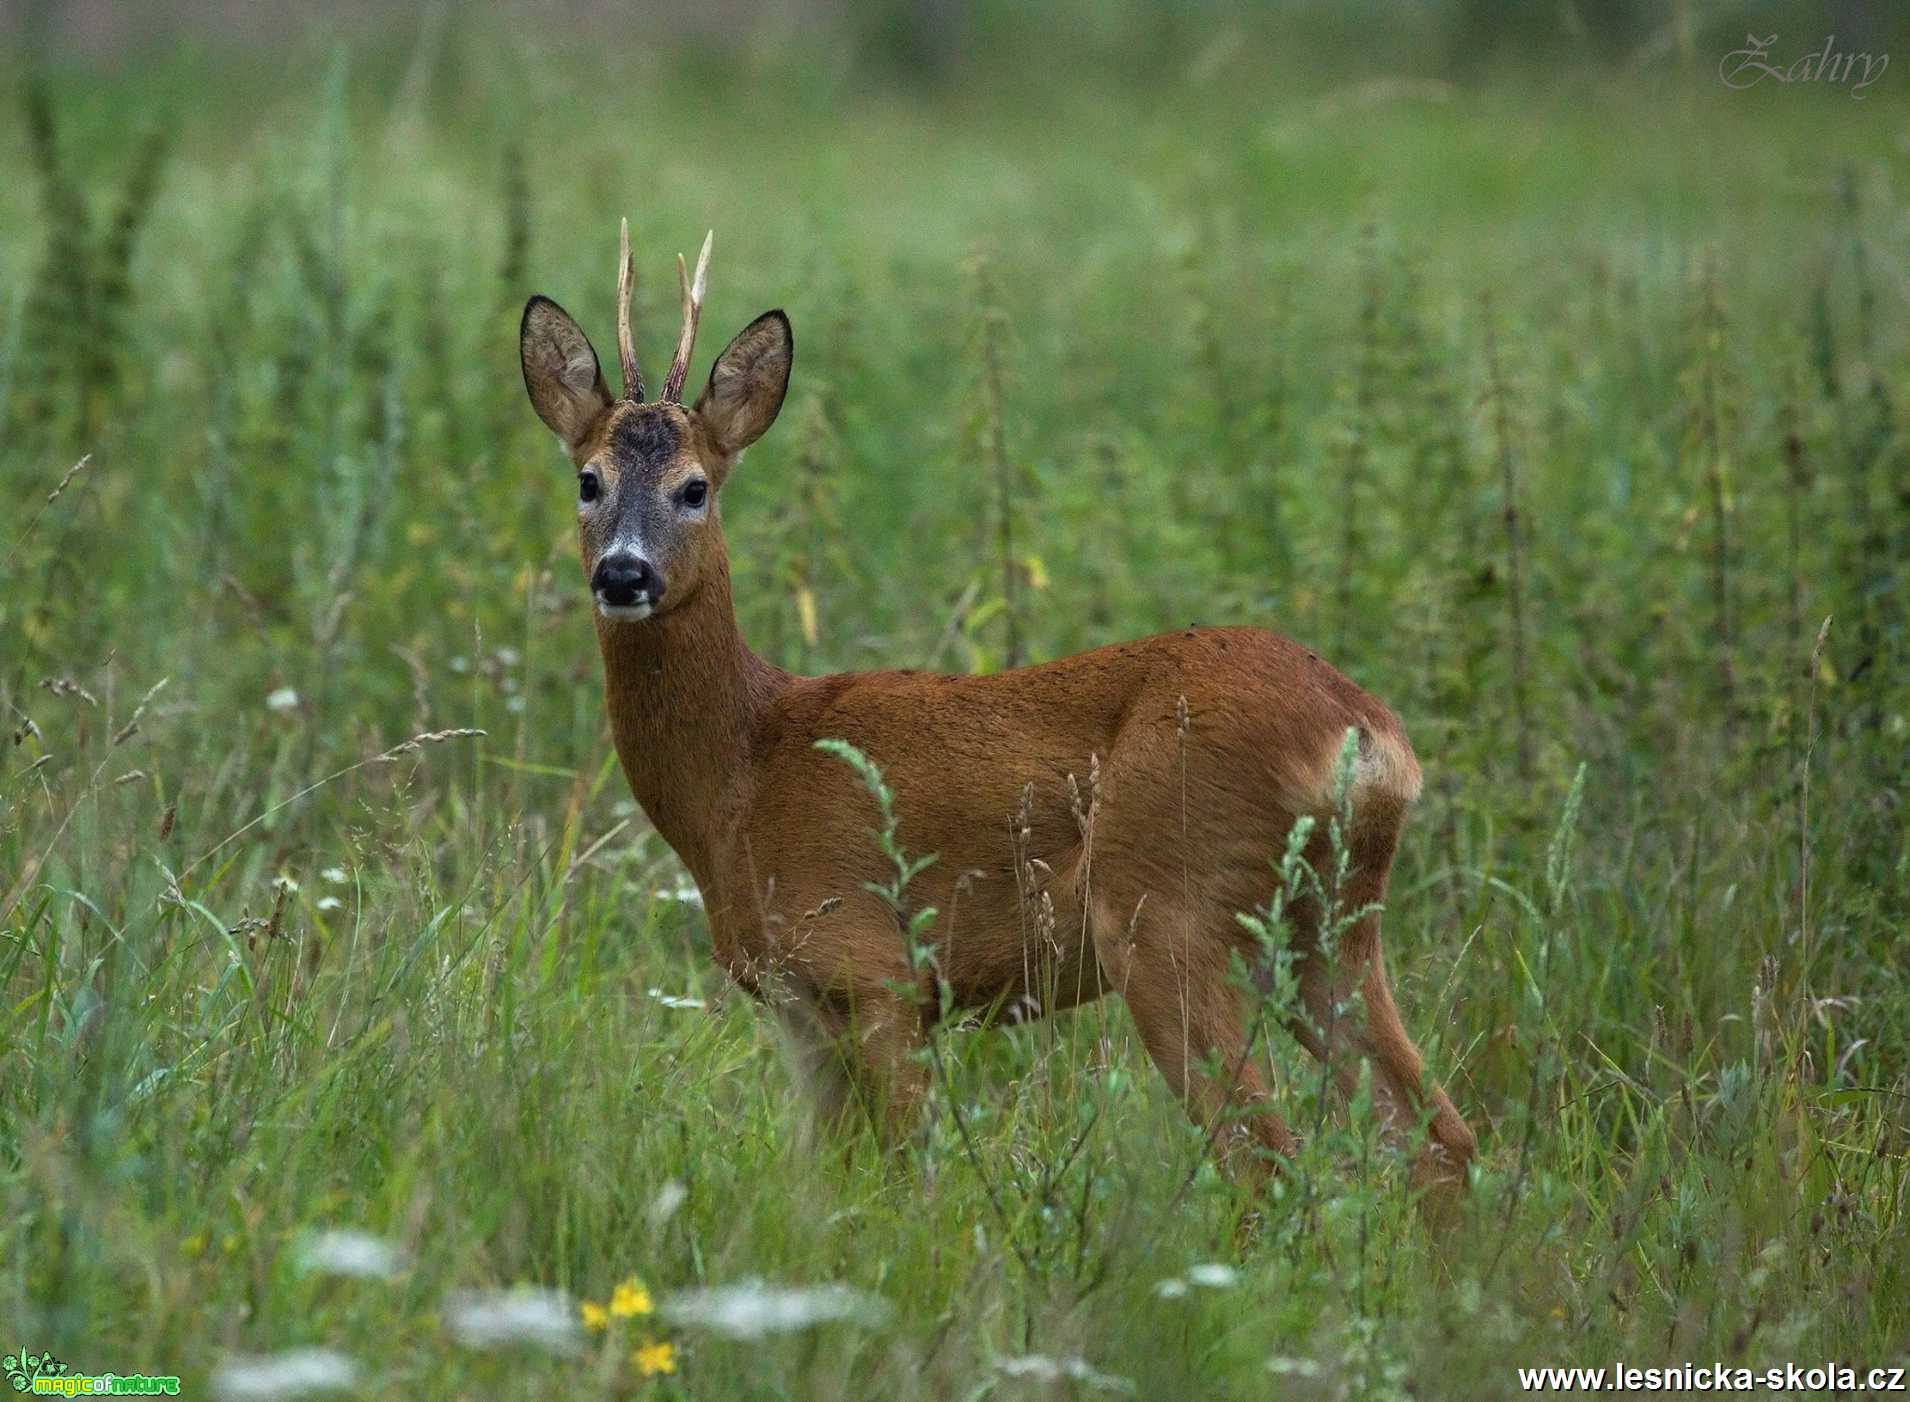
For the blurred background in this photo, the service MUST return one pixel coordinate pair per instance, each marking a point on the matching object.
(1542, 365)
(1208, 244)
(1222, 274)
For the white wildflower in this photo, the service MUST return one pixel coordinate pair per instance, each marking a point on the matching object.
(335, 875)
(544, 1319)
(284, 699)
(295, 1373)
(752, 1309)
(1044, 1369)
(1296, 1367)
(330, 903)
(1213, 1275)
(664, 1205)
(1172, 1288)
(672, 1000)
(359, 1255)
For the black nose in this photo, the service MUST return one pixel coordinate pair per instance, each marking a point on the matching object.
(625, 580)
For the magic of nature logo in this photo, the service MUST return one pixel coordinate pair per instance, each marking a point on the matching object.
(43, 1375)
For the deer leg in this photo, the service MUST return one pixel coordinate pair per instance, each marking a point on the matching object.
(856, 1050)
(887, 1032)
(1351, 1018)
(819, 1058)
(1191, 1021)
(852, 1043)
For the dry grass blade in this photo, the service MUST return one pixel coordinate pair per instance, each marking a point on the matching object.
(131, 728)
(59, 490)
(418, 742)
(66, 686)
(405, 747)
(1804, 797)
(33, 865)
(577, 863)
(66, 480)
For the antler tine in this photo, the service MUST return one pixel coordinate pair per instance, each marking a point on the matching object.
(626, 346)
(692, 309)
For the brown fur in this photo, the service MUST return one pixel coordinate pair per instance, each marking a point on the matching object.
(718, 747)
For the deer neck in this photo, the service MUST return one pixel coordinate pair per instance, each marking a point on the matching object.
(685, 696)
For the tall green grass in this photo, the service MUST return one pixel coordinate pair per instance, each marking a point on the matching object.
(1560, 411)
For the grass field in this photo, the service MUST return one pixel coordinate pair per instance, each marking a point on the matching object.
(1559, 408)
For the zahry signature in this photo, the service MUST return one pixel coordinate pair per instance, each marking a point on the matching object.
(1751, 65)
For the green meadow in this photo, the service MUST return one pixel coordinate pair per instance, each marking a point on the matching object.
(355, 1025)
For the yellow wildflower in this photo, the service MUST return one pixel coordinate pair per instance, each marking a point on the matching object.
(595, 1315)
(654, 1358)
(630, 1298)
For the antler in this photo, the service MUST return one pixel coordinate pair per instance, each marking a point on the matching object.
(626, 346)
(692, 309)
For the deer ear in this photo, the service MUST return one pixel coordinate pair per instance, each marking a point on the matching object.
(560, 370)
(747, 383)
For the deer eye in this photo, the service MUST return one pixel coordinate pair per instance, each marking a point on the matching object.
(588, 487)
(696, 493)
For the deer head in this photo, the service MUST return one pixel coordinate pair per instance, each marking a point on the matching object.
(648, 472)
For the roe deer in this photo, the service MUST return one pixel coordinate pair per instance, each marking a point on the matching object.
(1210, 743)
